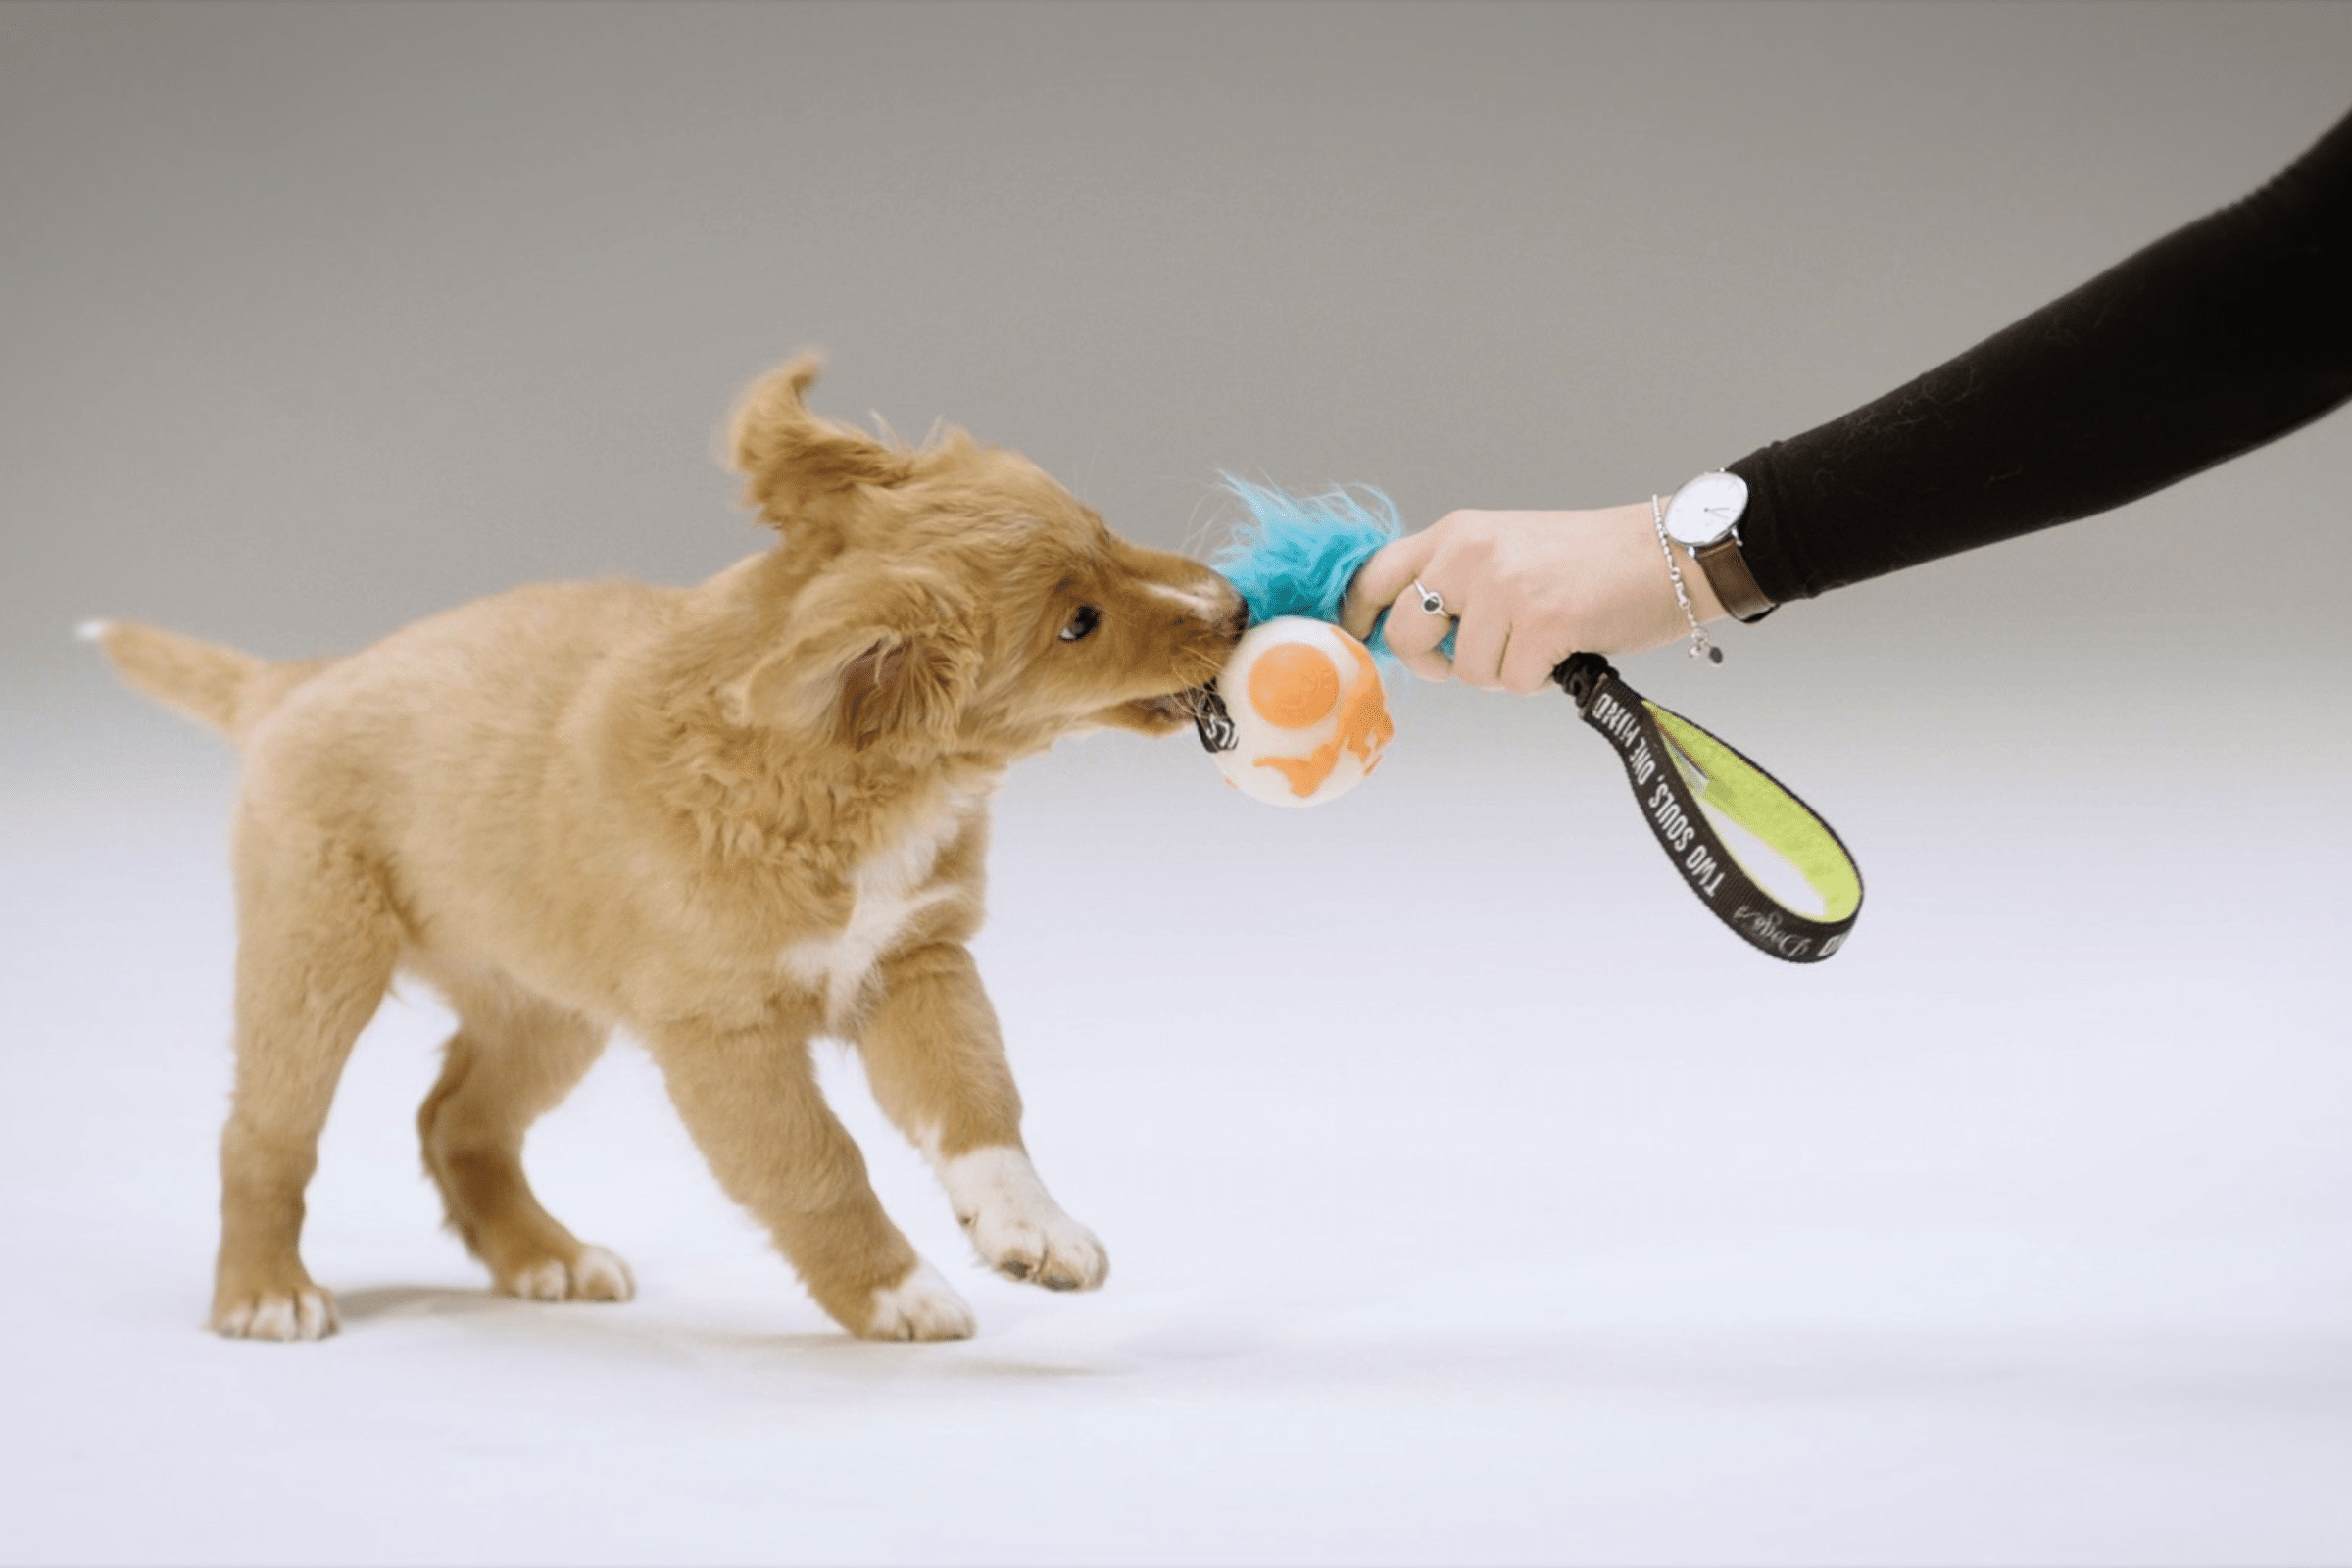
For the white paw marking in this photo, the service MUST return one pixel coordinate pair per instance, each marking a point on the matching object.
(93, 631)
(922, 1306)
(599, 1276)
(1015, 1225)
(548, 1281)
(308, 1314)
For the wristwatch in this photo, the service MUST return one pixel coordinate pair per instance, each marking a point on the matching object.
(1704, 517)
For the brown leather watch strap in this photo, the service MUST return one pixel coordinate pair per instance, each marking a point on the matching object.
(1734, 584)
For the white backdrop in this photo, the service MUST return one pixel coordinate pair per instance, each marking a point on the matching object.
(1471, 1198)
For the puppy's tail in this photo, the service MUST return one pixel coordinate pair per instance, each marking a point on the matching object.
(218, 686)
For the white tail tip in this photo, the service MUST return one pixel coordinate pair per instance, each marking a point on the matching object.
(92, 631)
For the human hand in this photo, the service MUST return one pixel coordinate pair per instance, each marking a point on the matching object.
(1528, 588)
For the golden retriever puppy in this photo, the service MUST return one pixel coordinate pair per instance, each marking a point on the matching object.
(726, 818)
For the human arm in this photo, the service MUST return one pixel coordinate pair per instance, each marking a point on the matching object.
(2225, 335)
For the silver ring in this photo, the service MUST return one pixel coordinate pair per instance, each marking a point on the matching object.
(1431, 604)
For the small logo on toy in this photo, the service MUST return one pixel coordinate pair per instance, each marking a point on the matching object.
(1213, 720)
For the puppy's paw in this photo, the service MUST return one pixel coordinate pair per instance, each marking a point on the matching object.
(303, 1311)
(595, 1275)
(1050, 1249)
(1015, 1225)
(920, 1306)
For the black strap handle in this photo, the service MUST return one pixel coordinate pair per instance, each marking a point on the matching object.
(1678, 770)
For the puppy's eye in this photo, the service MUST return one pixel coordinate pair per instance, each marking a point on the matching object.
(1082, 624)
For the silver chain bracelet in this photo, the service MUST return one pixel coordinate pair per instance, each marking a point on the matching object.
(1699, 641)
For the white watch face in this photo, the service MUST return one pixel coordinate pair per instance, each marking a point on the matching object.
(1707, 509)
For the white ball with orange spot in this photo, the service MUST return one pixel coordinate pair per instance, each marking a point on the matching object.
(1310, 715)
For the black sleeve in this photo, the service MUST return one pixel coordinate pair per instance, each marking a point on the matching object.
(2222, 335)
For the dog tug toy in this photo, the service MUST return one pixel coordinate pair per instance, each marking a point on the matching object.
(1298, 717)
(1304, 714)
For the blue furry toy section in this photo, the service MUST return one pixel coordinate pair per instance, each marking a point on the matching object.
(1295, 555)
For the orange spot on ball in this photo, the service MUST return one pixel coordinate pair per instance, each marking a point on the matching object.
(1294, 684)
(1364, 728)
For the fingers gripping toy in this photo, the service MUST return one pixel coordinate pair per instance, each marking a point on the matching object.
(1300, 715)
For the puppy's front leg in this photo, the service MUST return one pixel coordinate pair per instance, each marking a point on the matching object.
(935, 1060)
(751, 1100)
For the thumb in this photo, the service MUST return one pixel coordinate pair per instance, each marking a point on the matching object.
(1379, 580)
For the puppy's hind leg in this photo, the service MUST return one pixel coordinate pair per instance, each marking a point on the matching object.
(316, 945)
(512, 1059)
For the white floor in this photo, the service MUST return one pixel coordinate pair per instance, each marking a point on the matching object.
(1471, 1200)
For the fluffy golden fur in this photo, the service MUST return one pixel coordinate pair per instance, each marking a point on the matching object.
(726, 818)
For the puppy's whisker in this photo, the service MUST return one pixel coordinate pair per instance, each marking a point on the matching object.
(1207, 522)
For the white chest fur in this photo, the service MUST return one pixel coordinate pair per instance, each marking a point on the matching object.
(888, 889)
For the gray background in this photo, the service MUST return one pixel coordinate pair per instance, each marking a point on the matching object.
(1473, 1198)
(319, 318)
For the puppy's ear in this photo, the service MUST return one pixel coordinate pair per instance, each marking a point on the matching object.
(912, 687)
(895, 661)
(800, 470)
